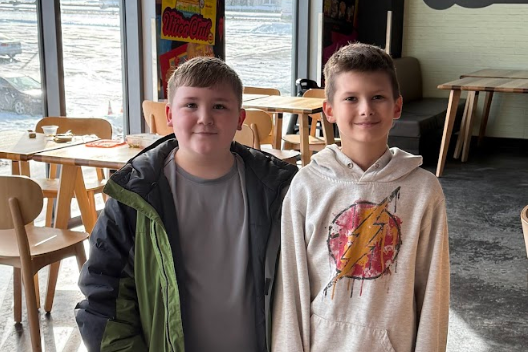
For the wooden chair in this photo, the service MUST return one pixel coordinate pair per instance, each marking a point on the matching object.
(78, 126)
(246, 136)
(28, 249)
(524, 222)
(269, 91)
(293, 141)
(154, 113)
(261, 125)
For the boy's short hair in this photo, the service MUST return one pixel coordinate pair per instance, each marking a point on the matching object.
(204, 72)
(359, 57)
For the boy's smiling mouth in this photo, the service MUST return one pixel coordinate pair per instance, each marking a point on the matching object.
(366, 123)
(205, 133)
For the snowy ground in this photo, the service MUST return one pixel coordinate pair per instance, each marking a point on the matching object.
(258, 46)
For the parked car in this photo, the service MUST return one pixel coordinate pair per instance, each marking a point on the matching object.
(9, 47)
(108, 3)
(20, 93)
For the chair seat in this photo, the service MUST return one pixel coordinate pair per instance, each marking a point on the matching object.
(289, 156)
(296, 139)
(42, 240)
(50, 186)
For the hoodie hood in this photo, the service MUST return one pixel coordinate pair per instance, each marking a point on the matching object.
(332, 163)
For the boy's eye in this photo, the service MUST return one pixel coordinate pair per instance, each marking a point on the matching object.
(190, 105)
(219, 107)
(350, 98)
(377, 97)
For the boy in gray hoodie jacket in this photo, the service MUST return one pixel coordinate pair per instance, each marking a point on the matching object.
(365, 260)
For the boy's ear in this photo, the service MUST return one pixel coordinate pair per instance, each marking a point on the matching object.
(398, 107)
(329, 112)
(241, 118)
(168, 114)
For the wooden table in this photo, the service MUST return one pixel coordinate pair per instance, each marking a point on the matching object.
(18, 147)
(71, 180)
(472, 85)
(485, 73)
(497, 73)
(294, 105)
(248, 97)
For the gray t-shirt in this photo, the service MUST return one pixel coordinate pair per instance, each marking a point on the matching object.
(214, 239)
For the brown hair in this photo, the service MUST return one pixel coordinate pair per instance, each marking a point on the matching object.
(204, 72)
(361, 58)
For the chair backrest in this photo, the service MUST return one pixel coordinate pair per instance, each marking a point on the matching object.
(156, 118)
(78, 125)
(260, 123)
(29, 196)
(260, 90)
(245, 136)
(314, 93)
(524, 224)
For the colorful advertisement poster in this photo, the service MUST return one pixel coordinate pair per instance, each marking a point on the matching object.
(191, 21)
(170, 60)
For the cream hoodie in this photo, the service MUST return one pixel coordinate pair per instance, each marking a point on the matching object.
(365, 260)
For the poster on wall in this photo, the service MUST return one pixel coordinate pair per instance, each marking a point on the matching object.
(187, 29)
(174, 58)
(191, 21)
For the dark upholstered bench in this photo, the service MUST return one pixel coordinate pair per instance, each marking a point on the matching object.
(419, 129)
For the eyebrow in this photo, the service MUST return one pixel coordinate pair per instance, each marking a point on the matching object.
(348, 92)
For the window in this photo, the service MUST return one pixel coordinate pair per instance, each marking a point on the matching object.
(259, 42)
(93, 77)
(21, 102)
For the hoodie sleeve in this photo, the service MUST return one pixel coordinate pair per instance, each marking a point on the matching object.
(432, 281)
(291, 311)
(108, 318)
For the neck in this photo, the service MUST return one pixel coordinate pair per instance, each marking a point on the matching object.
(364, 155)
(205, 167)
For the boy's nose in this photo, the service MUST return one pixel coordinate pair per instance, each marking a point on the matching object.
(366, 109)
(205, 117)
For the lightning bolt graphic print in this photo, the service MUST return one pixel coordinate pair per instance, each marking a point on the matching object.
(364, 240)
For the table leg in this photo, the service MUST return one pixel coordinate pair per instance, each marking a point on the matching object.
(72, 181)
(68, 178)
(277, 131)
(24, 168)
(303, 133)
(15, 168)
(485, 115)
(454, 97)
(460, 139)
(328, 130)
(472, 113)
(20, 168)
(87, 215)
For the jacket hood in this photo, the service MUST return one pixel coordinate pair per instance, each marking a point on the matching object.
(332, 163)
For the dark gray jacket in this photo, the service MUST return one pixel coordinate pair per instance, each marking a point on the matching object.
(132, 276)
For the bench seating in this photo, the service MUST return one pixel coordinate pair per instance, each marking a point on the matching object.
(419, 129)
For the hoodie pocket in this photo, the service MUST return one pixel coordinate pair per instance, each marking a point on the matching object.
(347, 337)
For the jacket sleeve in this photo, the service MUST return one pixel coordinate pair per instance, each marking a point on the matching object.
(108, 318)
(432, 281)
(291, 311)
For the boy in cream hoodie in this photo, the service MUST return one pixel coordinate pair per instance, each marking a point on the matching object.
(365, 260)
